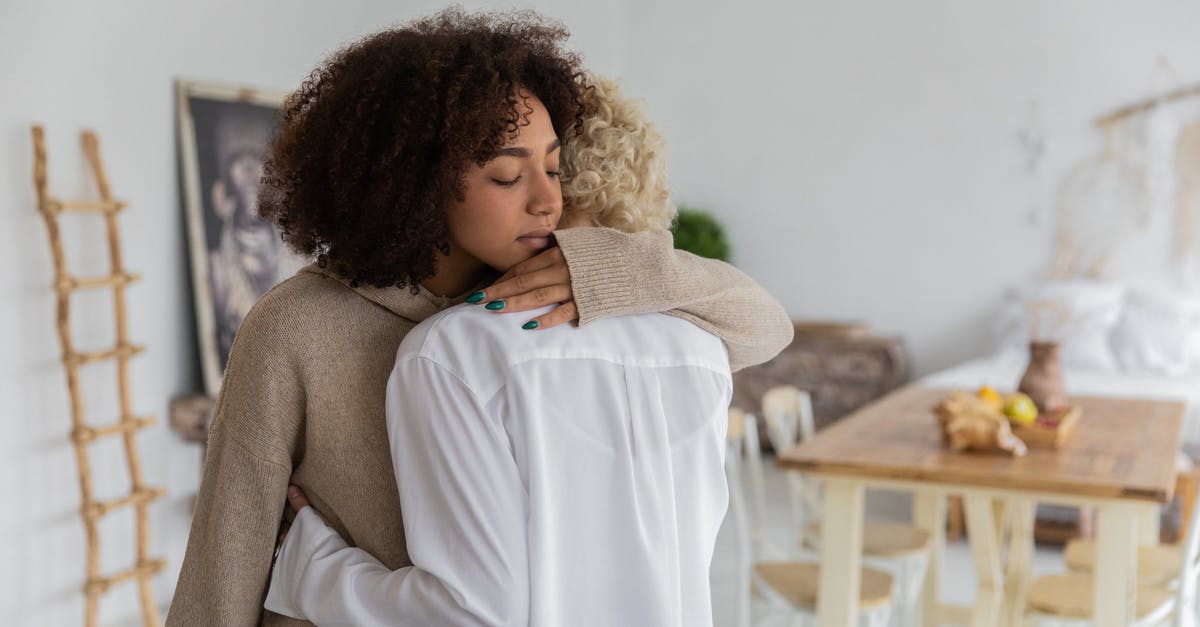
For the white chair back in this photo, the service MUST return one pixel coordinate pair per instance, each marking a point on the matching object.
(753, 475)
(735, 519)
(788, 413)
(743, 463)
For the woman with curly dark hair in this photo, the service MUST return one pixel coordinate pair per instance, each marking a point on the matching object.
(400, 118)
(384, 168)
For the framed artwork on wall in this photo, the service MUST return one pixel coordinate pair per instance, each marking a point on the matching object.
(224, 134)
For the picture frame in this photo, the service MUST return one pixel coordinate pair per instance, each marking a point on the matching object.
(235, 256)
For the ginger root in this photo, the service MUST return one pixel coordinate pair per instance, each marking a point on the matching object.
(969, 423)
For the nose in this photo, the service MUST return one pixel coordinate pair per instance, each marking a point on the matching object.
(546, 197)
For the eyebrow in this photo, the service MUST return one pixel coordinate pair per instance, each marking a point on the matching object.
(522, 152)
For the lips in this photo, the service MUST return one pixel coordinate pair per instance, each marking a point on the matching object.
(539, 239)
(536, 242)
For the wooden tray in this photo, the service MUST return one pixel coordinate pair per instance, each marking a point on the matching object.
(1042, 436)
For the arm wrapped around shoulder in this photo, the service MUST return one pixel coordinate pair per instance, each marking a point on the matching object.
(616, 273)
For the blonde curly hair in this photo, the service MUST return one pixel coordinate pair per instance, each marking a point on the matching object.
(615, 167)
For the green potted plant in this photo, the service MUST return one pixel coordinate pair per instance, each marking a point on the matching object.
(697, 232)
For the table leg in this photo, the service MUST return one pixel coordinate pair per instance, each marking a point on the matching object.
(1116, 565)
(1000, 516)
(1148, 525)
(1019, 574)
(985, 553)
(929, 513)
(841, 553)
(1087, 522)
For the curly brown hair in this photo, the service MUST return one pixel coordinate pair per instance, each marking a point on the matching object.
(370, 151)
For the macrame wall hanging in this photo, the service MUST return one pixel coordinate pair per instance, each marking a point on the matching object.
(83, 433)
(1097, 202)
(1149, 171)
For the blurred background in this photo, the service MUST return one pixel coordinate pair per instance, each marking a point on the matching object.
(903, 165)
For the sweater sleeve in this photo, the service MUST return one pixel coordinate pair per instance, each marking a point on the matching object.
(615, 273)
(243, 490)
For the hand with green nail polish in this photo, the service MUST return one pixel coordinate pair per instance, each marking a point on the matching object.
(531, 325)
(495, 305)
(540, 281)
(474, 298)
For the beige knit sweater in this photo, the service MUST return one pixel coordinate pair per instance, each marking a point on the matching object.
(303, 402)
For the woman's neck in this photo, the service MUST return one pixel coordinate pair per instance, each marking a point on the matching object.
(456, 273)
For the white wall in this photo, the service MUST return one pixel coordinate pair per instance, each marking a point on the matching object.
(862, 155)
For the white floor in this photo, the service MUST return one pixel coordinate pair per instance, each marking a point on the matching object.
(957, 579)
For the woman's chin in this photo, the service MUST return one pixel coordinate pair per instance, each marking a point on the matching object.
(507, 263)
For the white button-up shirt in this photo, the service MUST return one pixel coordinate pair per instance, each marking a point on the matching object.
(563, 477)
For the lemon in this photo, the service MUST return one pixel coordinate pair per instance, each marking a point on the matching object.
(991, 397)
(1020, 409)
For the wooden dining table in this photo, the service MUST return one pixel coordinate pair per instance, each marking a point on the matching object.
(1120, 460)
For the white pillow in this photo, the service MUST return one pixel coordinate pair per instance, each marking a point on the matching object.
(1080, 314)
(1159, 334)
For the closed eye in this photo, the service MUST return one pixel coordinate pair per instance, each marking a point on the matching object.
(508, 183)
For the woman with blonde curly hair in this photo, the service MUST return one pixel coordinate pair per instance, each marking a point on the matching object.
(615, 169)
(572, 477)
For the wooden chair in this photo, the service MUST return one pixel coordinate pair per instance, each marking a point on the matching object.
(1167, 585)
(787, 585)
(1159, 564)
(900, 549)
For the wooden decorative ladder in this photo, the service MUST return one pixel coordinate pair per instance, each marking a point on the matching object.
(82, 433)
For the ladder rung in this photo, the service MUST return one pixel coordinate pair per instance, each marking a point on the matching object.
(137, 497)
(85, 206)
(127, 350)
(148, 568)
(84, 435)
(79, 283)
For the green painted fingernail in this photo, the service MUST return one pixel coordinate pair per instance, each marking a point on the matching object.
(476, 297)
(495, 305)
(531, 325)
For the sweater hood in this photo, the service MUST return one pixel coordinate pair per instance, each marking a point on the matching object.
(400, 301)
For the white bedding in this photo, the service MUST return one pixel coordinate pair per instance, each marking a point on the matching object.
(1003, 371)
